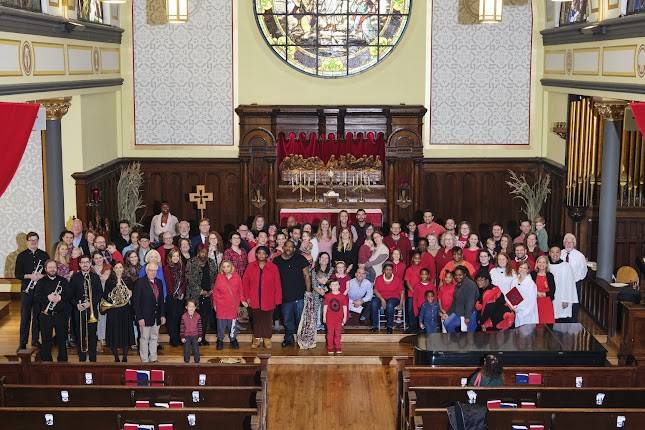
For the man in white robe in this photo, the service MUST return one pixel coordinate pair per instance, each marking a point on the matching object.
(565, 286)
(578, 263)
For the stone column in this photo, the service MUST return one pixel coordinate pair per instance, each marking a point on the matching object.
(53, 154)
(612, 112)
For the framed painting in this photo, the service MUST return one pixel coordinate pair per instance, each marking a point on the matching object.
(32, 5)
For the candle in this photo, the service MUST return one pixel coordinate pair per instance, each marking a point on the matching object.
(95, 195)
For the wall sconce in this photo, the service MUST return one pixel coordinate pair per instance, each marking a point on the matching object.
(560, 128)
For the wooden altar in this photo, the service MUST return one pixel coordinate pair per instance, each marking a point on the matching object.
(265, 191)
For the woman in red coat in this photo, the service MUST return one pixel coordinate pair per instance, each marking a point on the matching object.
(227, 295)
(262, 292)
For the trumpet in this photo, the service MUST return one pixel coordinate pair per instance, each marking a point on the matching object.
(32, 282)
(50, 306)
(84, 321)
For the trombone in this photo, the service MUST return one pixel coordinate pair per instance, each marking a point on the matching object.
(32, 282)
(84, 321)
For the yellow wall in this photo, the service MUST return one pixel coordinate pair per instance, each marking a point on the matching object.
(99, 129)
(557, 112)
(72, 133)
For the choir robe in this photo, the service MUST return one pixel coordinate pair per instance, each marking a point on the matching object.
(565, 288)
(499, 279)
(526, 312)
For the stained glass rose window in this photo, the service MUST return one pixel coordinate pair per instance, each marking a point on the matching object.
(332, 38)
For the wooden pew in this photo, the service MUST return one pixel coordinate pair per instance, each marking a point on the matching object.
(122, 396)
(12, 372)
(543, 397)
(552, 419)
(114, 418)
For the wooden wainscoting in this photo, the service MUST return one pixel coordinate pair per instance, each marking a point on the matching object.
(168, 179)
(476, 190)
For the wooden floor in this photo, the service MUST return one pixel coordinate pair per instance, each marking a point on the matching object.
(332, 397)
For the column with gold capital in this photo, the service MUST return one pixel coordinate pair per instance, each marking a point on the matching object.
(54, 199)
(612, 113)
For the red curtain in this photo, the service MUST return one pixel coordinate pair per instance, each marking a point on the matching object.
(324, 146)
(638, 108)
(16, 122)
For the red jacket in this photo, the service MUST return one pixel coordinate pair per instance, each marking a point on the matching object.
(402, 244)
(419, 296)
(227, 295)
(428, 262)
(270, 295)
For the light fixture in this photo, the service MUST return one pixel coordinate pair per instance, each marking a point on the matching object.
(490, 11)
(177, 11)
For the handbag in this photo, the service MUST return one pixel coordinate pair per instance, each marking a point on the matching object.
(463, 416)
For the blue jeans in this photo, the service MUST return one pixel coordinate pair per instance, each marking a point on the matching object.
(453, 323)
(291, 313)
(390, 304)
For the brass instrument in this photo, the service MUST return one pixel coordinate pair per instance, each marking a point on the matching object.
(83, 329)
(118, 297)
(50, 306)
(32, 282)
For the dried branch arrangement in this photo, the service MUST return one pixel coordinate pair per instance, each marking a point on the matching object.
(534, 196)
(129, 194)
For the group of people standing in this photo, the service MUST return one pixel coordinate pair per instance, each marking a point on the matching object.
(444, 278)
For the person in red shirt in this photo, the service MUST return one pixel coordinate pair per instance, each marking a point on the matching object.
(420, 291)
(471, 250)
(399, 265)
(522, 257)
(335, 317)
(340, 276)
(427, 259)
(446, 293)
(262, 292)
(227, 295)
(388, 295)
(190, 331)
(410, 280)
(398, 240)
(463, 234)
(429, 226)
(444, 256)
(457, 260)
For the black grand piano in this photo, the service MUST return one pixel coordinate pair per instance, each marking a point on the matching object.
(538, 345)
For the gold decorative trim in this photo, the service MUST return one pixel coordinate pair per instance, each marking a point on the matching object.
(80, 48)
(37, 72)
(56, 108)
(17, 72)
(118, 57)
(586, 72)
(614, 5)
(620, 48)
(610, 109)
(27, 58)
(569, 62)
(640, 66)
(562, 71)
(96, 60)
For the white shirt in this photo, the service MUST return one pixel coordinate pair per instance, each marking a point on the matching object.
(359, 291)
(499, 279)
(526, 312)
(577, 261)
(565, 289)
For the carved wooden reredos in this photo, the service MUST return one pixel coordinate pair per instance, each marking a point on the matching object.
(399, 129)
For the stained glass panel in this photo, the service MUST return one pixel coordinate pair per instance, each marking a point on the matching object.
(332, 38)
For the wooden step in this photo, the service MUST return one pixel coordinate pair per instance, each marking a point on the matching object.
(4, 308)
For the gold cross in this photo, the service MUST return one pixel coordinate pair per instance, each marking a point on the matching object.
(201, 197)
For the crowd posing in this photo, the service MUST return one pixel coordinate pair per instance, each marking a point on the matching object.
(433, 277)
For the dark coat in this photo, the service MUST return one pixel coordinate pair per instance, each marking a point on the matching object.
(145, 306)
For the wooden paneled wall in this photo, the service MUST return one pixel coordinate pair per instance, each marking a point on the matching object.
(475, 190)
(630, 236)
(171, 180)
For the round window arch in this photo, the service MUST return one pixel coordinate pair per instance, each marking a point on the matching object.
(332, 38)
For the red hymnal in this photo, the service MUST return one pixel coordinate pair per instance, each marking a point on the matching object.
(514, 296)
(535, 379)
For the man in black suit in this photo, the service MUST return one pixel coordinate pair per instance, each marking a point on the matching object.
(149, 311)
(80, 296)
(26, 264)
(202, 237)
(53, 315)
(122, 238)
(79, 240)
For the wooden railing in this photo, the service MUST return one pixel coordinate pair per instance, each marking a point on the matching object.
(600, 300)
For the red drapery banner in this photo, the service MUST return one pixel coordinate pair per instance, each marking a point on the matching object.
(16, 123)
(324, 146)
(638, 108)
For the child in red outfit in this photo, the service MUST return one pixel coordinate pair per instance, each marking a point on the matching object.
(420, 290)
(340, 276)
(446, 292)
(335, 317)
